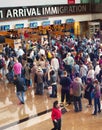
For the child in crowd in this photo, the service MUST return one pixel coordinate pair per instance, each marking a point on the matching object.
(56, 116)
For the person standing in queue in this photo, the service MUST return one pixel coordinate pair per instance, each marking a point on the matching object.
(96, 95)
(65, 82)
(77, 87)
(19, 83)
(56, 116)
(53, 81)
(17, 67)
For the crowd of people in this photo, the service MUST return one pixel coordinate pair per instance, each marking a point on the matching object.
(73, 62)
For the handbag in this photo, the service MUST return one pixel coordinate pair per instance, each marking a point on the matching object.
(71, 91)
(63, 110)
(50, 90)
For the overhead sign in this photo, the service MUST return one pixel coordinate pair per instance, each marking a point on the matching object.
(57, 22)
(5, 27)
(45, 23)
(18, 26)
(35, 11)
(70, 20)
(33, 24)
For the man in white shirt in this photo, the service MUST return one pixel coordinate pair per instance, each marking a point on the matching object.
(69, 62)
(42, 51)
(55, 62)
(20, 52)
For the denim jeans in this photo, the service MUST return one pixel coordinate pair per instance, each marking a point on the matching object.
(77, 103)
(20, 96)
(83, 79)
(97, 105)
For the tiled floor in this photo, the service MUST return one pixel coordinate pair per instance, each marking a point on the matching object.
(35, 114)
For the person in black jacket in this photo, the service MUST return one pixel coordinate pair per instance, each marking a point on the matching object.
(65, 82)
(88, 91)
(19, 82)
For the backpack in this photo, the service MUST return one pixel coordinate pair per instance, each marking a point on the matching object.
(49, 55)
(1, 63)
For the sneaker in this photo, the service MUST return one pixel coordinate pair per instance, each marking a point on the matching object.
(76, 110)
(94, 114)
(19, 103)
(22, 102)
(99, 111)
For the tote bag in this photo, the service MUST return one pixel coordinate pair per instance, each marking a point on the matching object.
(50, 90)
(71, 91)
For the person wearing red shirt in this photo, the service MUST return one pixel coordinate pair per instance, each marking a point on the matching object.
(26, 34)
(56, 116)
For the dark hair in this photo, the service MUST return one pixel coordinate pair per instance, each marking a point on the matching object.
(52, 72)
(55, 104)
(101, 56)
(89, 80)
(77, 75)
(15, 76)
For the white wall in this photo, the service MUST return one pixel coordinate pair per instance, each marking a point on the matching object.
(14, 3)
(97, 16)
